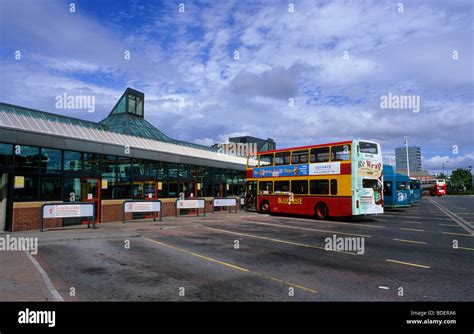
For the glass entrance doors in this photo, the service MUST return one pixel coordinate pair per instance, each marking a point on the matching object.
(90, 192)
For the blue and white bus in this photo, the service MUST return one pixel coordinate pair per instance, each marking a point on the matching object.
(396, 188)
(415, 191)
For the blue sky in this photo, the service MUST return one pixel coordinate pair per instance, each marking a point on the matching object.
(283, 55)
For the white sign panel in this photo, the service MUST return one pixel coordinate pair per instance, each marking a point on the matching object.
(242, 201)
(225, 202)
(68, 210)
(326, 168)
(142, 206)
(190, 204)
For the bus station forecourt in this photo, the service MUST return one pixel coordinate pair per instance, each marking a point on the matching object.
(179, 221)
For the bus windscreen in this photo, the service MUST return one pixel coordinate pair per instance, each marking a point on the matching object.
(365, 147)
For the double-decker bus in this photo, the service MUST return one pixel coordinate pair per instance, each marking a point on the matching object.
(396, 189)
(415, 190)
(326, 180)
(439, 188)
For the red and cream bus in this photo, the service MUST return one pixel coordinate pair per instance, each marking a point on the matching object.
(326, 180)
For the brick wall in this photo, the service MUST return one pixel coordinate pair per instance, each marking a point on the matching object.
(26, 216)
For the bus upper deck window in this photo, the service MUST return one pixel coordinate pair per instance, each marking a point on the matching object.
(320, 154)
(341, 153)
(266, 160)
(299, 157)
(282, 158)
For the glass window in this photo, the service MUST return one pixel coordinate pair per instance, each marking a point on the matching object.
(26, 158)
(282, 158)
(50, 160)
(30, 190)
(402, 186)
(197, 173)
(172, 171)
(341, 153)
(50, 188)
(266, 159)
(299, 187)
(299, 157)
(108, 192)
(333, 187)
(371, 183)
(387, 188)
(72, 161)
(320, 154)
(365, 147)
(184, 171)
(282, 186)
(150, 168)
(138, 190)
(120, 107)
(6, 154)
(122, 186)
(173, 189)
(72, 190)
(319, 187)
(162, 171)
(265, 187)
(123, 168)
(91, 162)
(138, 168)
(109, 166)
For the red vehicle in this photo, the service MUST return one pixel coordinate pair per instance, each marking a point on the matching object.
(326, 180)
(439, 188)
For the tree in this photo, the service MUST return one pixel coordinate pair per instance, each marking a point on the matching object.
(461, 178)
(442, 176)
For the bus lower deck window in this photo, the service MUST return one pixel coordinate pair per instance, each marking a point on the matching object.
(333, 187)
(299, 187)
(319, 187)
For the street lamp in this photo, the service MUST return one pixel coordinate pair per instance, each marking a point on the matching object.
(406, 148)
(443, 166)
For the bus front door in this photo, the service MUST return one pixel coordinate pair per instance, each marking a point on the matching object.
(251, 196)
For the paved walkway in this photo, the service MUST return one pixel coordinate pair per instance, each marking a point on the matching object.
(20, 280)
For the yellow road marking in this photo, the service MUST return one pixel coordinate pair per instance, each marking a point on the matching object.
(233, 266)
(306, 228)
(276, 240)
(462, 234)
(409, 264)
(411, 229)
(412, 241)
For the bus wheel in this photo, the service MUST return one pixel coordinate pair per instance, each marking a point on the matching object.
(321, 211)
(265, 207)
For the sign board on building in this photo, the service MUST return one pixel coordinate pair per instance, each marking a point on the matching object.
(146, 206)
(225, 202)
(19, 182)
(68, 210)
(190, 204)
